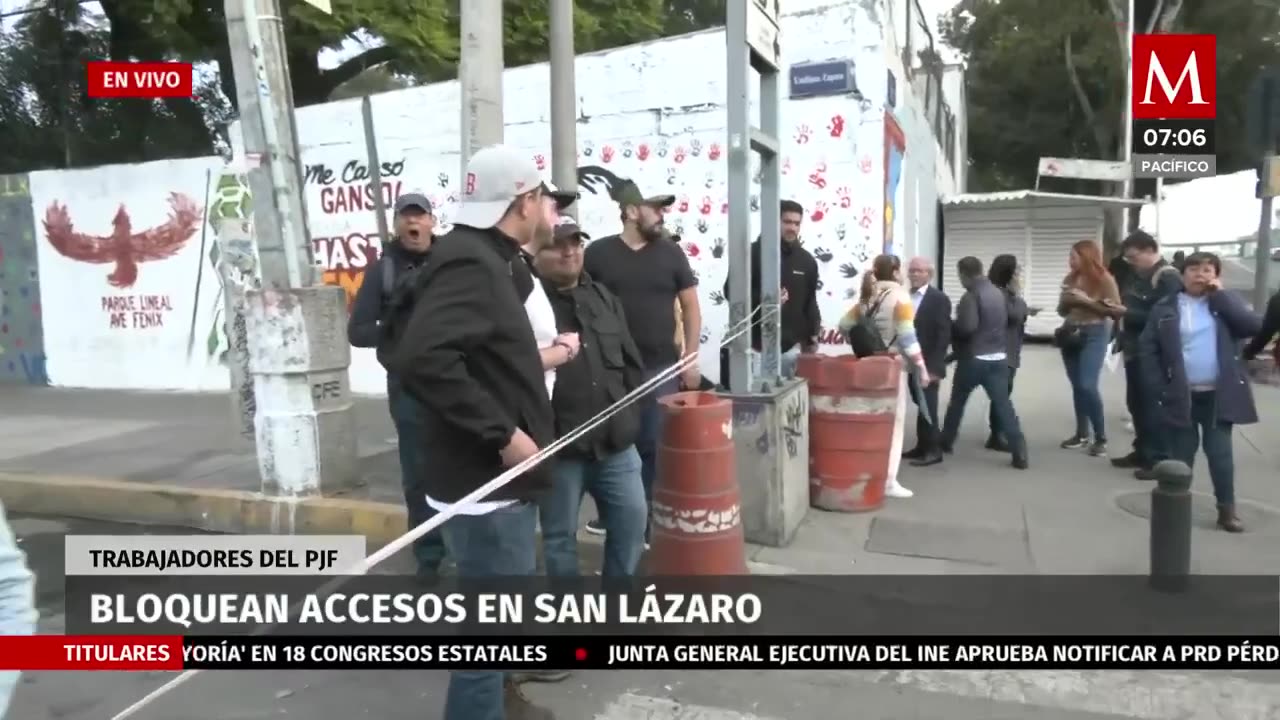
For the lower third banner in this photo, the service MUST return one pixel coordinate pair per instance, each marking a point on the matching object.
(121, 653)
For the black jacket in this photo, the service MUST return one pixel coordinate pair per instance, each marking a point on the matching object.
(468, 355)
(1270, 328)
(1017, 326)
(368, 311)
(800, 317)
(933, 330)
(1139, 293)
(608, 368)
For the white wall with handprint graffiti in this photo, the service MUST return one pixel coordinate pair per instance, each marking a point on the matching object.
(652, 113)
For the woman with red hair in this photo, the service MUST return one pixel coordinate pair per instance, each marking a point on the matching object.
(1089, 304)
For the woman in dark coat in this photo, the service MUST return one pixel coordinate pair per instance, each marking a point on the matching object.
(1190, 355)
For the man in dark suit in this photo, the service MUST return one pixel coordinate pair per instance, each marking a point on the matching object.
(933, 331)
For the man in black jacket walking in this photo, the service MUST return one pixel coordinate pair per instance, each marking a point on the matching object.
(604, 463)
(799, 316)
(400, 259)
(933, 332)
(469, 356)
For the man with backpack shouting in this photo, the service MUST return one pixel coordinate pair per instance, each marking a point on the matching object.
(385, 280)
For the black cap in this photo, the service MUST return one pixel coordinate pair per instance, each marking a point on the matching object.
(628, 193)
(569, 231)
(413, 200)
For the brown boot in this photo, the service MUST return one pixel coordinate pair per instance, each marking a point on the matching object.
(1227, 519)
(515, 706)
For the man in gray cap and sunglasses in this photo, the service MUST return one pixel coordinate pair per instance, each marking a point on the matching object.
(401, 258)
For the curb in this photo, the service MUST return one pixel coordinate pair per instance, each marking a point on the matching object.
(235, 512)
(211, 509)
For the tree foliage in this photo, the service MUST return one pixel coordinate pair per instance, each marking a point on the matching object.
(1045, 77)
(42, 97)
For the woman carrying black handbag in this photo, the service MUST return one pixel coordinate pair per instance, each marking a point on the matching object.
(1089, 303)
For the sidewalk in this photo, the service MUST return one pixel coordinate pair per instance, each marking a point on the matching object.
(169, 459)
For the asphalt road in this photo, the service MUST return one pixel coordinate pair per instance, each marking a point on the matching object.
(777, 695)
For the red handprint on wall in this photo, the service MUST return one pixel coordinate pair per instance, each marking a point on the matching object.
(817, 178)
(683, 205)
(836, 127)
(819, 211)
(713, 152)
(679, 154)
(642, 152)
(541, 161)
(606, 153)
(867, 218)
(705, 207)
(843, 195)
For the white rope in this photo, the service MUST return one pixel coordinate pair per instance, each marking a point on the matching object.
(476, 495)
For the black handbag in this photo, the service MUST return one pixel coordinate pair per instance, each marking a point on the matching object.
(864, 338)
(1067, 337)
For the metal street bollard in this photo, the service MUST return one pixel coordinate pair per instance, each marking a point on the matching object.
(1171, 527)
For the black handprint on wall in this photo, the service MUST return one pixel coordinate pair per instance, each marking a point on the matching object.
(443, 179)
(701, 225)
(717, 297)
(849, 270)
(717, 248)
(823, 255)
(705, 337)
(755, 203)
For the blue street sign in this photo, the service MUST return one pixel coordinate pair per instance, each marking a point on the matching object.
(831, 77)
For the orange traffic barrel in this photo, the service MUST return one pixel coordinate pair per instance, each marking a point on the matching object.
(696, 518)
(851, 412)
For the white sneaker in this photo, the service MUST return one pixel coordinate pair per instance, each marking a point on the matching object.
(894, 490)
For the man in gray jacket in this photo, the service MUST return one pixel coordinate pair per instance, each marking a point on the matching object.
(980, 334)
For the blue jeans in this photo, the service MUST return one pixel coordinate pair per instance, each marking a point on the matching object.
(499, 543)
(17, 601)
(1214, 436)
(651, 433)
(993, 377)
(614, 483)
(406, 413)
(1084, 370)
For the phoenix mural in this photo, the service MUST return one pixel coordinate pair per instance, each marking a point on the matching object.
(124, 248)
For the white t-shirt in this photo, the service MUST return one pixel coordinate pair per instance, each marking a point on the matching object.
(543, 320)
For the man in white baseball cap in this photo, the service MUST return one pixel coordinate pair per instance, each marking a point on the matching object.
(468, 357)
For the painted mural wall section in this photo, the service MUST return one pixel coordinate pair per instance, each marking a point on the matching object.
(134, 259)
(22, 357)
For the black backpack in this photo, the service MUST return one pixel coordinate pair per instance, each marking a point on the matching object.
(399, 296)
(864, 338)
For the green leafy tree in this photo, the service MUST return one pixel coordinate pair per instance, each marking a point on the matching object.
(42, 77)
(1045, 77)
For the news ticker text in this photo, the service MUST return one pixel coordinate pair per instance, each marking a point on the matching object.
(151, 653)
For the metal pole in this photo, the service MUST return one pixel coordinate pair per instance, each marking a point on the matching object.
(564, 106)
(770, 231)
(375, 169)
(480, 77)
(1159, 193)
(739, 186)
(304, 422)
(1127, 148)
(1262, 258)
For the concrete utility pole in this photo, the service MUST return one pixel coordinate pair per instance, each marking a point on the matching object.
(751, 32)
(480, 77)
(564, 105)
(298, 353)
